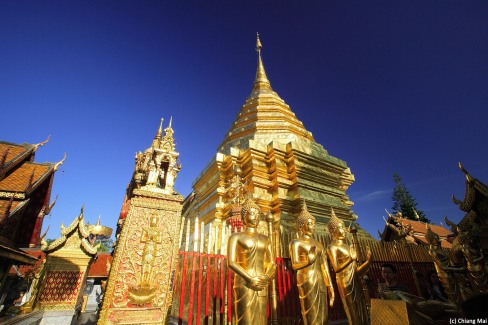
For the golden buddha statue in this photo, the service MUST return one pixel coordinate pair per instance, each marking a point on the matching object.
(145, 291)
(151, 236)
(309, 259)
(250, 256)
(348, 275)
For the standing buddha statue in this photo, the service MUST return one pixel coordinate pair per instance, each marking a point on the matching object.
(309, 259)
(348, 275)
(249, 255)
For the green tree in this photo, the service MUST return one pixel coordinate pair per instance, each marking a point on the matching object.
(106, 246)
(404, 202)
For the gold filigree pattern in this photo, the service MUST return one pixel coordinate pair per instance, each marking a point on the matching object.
(142, 242)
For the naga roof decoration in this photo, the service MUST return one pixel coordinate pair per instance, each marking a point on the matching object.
(473, 185)
(77, 227)
(475, 204)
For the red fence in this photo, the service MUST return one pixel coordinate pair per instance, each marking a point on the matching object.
(202, 290)
(202, 287)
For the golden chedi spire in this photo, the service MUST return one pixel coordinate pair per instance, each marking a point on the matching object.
(279, 160)
(265, 116)
(261, 81)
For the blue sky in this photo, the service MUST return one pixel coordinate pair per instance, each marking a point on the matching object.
(384, 85)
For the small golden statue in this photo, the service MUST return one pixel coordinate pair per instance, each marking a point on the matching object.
(348, 275)
(249, 255)
(309, 259)
(152, 236)
(145, 291)
(455, 289)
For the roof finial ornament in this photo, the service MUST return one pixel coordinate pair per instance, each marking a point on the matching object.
(40, 144)
(170, 121)
(56, 166)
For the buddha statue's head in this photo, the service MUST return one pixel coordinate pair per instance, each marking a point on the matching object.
(305, 221)
(250, 213)
(154, 221)
(336, 227)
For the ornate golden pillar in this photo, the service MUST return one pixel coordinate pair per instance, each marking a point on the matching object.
(139, 288)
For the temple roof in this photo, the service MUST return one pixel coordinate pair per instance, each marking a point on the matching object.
(25, 178)
(417, 234)
(25, 189)
(264, 114)
(97, 269)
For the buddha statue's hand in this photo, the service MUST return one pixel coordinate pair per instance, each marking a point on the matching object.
(259, 282)
(312, 255)
(331, 295)
(368, 253)
(354, 254)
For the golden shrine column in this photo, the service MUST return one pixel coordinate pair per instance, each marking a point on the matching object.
(145, 256)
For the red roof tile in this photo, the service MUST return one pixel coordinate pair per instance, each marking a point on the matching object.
(4, 204)
(18, 180)
(14, 150)
(98, 269)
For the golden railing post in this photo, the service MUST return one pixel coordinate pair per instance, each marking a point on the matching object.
(274, 295)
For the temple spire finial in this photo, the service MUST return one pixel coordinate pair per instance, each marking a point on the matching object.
(170, 121)
(159, 134)
(261, 81)
(258, 44)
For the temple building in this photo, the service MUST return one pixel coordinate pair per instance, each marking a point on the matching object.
(25, 193)
(414, 232)
(270, 154)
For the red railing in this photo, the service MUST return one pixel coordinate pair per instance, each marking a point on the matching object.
(202, 289)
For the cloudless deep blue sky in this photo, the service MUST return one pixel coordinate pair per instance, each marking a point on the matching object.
(384, 85)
